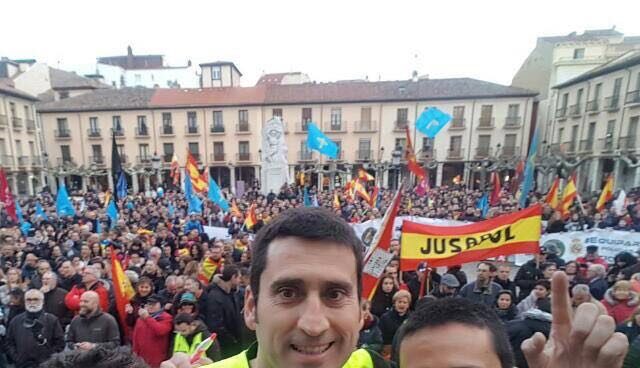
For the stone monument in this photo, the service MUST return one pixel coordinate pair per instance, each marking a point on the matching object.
(275, 166)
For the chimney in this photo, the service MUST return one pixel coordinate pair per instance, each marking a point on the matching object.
(414, 76)
(129, 51)
(129, 57)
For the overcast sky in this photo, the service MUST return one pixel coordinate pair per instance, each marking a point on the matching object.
(329, 40)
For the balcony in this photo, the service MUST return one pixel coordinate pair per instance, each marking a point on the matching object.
(510, 151)
(592, 106)
(512, 122)
(94, 133)
(628, 143)
(62, 133)
(586, 145)
(364, 155)
(216, 129)
(455, 153)
(400, 125)
(633, 97)
(606, 144)
(142, 132)
(36, 161)
(301, 127)
(98, 160)
(191, 129)
(218, 157)
(305, 156)
(63, 161)
(17, 123)
(31, 125)
(575, 110)
(483, 152)
(23, 161)
(243, 128)
(457, 124)
(561, 113)
(6, 160)
(339, 157)
(428, 153)
(243, 157)
(362, 126)
(167, 157)
(611, 103)
(3, 121)
(145, 159)
(166, 131)
(118, 133)
(486, 123)
(335, 127)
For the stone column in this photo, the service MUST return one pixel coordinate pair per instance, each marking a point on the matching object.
(466, 174)
(320, 178)
(292, 174)
(636, 179)
(147, 183)
(61, 181)
(439, 171)
(32, 191)
(385, 179)
(83, 183)
(134, 182)
(14, 184)
(617, 169)
(232, 175)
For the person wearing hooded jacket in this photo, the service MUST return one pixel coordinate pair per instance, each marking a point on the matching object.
(370, 334)
(190, 332)
(621, 262)
(620, 301)
(152, 333)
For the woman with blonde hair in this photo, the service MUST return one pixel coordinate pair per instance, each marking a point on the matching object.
(620, 301)
(394, 318)
(13, 280)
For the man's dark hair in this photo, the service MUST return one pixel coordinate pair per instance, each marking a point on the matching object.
(462, 311)
(488, 264)
(184, 318)
(311, 223)
(229, 271)
(544, 283)
(547, 265)
(100, 357)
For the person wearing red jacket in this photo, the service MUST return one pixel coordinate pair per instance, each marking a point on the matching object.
(590, 258)
(89, 282)
(152, 333)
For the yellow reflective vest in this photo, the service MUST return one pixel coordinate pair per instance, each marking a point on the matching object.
(180, 344)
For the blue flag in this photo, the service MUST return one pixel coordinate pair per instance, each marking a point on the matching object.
(307, 199)
(19, 213)
(431, 121)
(40, 211)
(98, 227)
(171, 209)
(529, 170)
(215, 195)
(316, 140)
(112, 212)
(121, 186)
(195, 204)
(483, 205)
(63, 203)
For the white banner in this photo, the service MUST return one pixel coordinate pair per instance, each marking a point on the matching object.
(571, 245)
(367, 230)
(217, 232)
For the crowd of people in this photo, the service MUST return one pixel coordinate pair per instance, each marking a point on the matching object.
(57, 292)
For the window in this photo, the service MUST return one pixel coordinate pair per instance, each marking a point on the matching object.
(427, 144)
(632, 132)
(565, 100)
(120, 149)
(18, 147)
(514, 110)
(458, 112)
(455, 143)
(62, 125)
(243, 120)
(484, 145)
(339, 144)
(138, 79)
(306, 114)
(194, 148)
(32, 148)
(364, 149)
(166, 119)
(93, 125)
(579, 96)
(305, 153)
(3, 148)
(560, 135)
(143, 150)
(590, 135)
(192, 122)
(218, 124)
(402, 116)
(510, 143)
(216, 73)
(276, 112)
(96, 151)
(596, 91)
(617, 85)
(12, 108)
(65, 150)
(64, 94)
(142, 125)
(365, 114)
(167, 148)
(578, 53)
(243, 151)
(336, 118)
(218, 151)
(486, 115)
(117, 125)
(27, 112)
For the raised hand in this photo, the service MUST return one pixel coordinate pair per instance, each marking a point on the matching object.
(587, 340)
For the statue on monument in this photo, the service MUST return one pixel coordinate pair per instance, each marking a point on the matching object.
(275, 165)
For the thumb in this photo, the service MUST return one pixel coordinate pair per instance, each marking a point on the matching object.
(533, 350)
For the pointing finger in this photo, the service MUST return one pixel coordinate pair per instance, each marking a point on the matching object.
(560, 305)
(602, 331)
(533, 350)
(613, 352)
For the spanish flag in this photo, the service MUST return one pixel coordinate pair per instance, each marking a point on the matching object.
(365, 176)
(208, 268)
(122, 289)
(199, 183)
(251, 219)
(410, 156)
(359, 189)
(235, 212)
(569, 194)
(552, 195)
(374, 196)
(606, 195)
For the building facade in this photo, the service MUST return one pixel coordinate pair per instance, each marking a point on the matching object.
(596, 120)
(222, 127)
(21, 153)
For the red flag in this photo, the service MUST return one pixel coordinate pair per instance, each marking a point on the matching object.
(423, 186)
(378, 255)
(517, 177)
(122, 289)
(199, 183)
(208, 267)
(412, 164)
(552, 195)
(251, 218)
(494, 200)
(6, 197)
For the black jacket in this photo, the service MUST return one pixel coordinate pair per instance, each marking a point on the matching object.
(28, 347)
(526, 278)
(371, 336)
(598, 287)
(507, 285)
(389, 324)
(54, 304)
(382, 302)
(69, 283)
(223, 318)
(99, 328)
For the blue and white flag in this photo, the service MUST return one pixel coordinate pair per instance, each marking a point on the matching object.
(19, 213)
(112, 212)
(215, 195)
(431, 121)
(316, 140)
(483, 205)
(306, 198)
(195, 204)
(64, 207)
(98, 227)
(529, 171)
(40, 211)
(121, 186)
(171, 209)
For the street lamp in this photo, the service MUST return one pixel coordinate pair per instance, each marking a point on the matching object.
(156, 164)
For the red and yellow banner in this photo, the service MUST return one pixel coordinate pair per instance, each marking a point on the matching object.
(441, 246)
(122, 289)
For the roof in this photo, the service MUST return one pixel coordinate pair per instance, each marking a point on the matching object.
(274, 78)
(134, 61)
(587, 35)
(626, 60)
(308, 93)
(221, 63)
(6, 87)
(102, 100)
(61, 79)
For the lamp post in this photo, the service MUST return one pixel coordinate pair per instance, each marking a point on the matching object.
(396, 157)
(156, 164)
